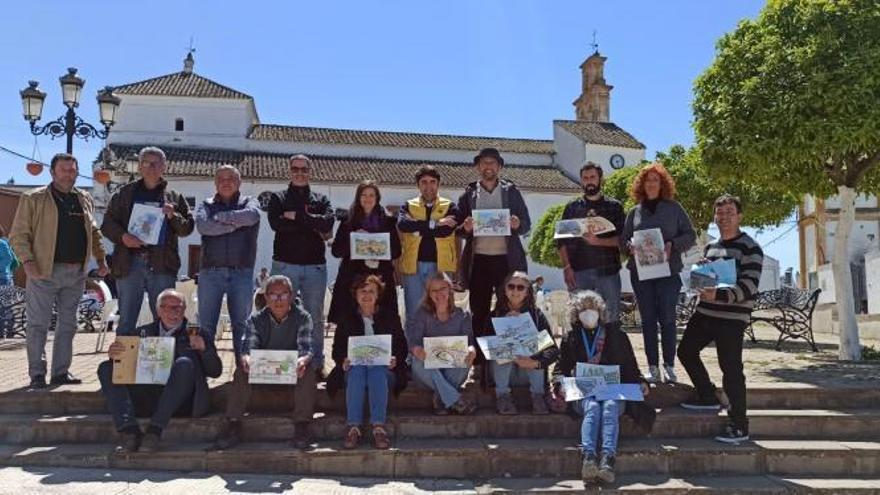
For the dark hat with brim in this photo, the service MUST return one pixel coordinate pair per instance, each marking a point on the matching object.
(489, 153)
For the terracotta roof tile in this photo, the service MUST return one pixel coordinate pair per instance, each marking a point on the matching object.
(269, 132)
(181, 84)
(200, 162)
(605, 133)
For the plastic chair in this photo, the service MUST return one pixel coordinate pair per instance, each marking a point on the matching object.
(109, 318)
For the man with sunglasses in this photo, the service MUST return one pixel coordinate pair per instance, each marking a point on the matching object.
(185, 392)
(281, 325)
(139, 267)
(302, 220)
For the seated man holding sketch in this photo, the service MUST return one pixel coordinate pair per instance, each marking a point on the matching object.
(278, 352)
(141, 377)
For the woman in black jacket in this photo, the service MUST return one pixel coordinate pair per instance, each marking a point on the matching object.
(518, 297)
(592, 341)
(368, 318)
(366, 214)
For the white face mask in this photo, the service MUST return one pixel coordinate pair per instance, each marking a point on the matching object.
(589, 318)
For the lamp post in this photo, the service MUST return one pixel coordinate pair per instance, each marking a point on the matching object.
(69, 124)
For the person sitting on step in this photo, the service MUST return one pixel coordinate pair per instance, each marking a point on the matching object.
(592, 340)
(517, 298)
(185, 392)
(437, 316)
(369, 317)
(282, 325)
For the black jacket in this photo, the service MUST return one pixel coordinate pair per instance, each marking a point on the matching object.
(162, 258)
(617, 350)
(352, 324)
(211, 365)
(513, 200)
(342, 301)
(300, 241)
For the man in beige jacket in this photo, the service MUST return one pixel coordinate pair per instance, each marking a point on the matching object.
(54, 233)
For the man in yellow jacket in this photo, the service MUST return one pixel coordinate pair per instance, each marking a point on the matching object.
(427, 236)
(54, 233)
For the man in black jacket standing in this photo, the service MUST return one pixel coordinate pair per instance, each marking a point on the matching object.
(493, 257)
(302, 220)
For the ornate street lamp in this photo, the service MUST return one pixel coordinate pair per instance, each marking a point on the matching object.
(69, 124)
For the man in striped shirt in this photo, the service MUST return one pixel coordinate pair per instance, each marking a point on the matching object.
(721, 317)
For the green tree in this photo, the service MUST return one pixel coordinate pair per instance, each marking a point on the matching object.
(697, 188)
(791, 101)
(542, 247)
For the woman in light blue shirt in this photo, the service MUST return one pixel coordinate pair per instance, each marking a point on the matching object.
(8, 261)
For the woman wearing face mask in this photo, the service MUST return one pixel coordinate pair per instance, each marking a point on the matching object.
(519, 298)
(592, 341)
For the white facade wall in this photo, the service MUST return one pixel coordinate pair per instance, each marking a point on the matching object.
(570, 151)
(872, 272)
(863, 237)
(207, 121)
(601, 154)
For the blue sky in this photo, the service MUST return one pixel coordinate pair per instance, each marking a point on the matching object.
(496, 68)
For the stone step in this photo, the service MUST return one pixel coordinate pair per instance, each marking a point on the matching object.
(665, 485)
(475, 459)
(763, 396)
(24, 429)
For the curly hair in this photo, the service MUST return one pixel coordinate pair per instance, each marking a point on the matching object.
(583, 300)
(667, 183)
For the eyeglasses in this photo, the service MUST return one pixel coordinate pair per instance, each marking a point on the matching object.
(175, 308)
(517, 287)
(300, 170)
(278, 297)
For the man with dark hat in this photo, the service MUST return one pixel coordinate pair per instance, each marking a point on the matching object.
(493, 257)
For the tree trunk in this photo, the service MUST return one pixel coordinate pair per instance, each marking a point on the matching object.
(850, 350)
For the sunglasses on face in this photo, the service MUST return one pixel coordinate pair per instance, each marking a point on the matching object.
(517, 287)
(278, 297)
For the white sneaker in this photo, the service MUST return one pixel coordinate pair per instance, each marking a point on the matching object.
(653, 375)
(669, 374)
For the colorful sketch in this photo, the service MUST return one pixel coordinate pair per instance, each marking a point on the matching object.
(570, 228)
(649, 251)
(610, 373)
(515, 336)
(577, 388)
(154, 359)
(491, 222)
(273, 367)
(723, 272)
(446, 352)
(599, 225)
(369, 350)
(620, 391)
(367, 246)
(145, 223)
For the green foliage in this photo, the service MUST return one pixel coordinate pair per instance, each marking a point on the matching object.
(542, 247)
(869, 353)
(697, 188)
(791, 99)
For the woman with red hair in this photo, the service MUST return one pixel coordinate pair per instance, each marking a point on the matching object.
(653, 191)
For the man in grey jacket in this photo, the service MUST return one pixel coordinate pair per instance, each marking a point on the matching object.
(229, 223)
(282, 325)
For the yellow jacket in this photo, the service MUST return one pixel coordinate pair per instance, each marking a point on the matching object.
(447, 258)
(36, 224)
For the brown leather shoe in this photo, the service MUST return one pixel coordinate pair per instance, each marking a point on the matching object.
(352, 438)
(380, 437)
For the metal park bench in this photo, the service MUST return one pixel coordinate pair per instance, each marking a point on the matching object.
(789, 310)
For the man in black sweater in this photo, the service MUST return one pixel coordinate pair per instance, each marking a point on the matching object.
(303, 220)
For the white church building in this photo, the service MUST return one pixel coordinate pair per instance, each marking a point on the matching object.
(201, 125)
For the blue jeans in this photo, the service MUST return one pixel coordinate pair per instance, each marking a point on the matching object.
(311, 282)
(163, 401)
(237, 286)
(608, 286)
(509, 373)
(414, 286)
(131, 288)
(444, 382)
(657, 299)
(604, 414)
(372, 380)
